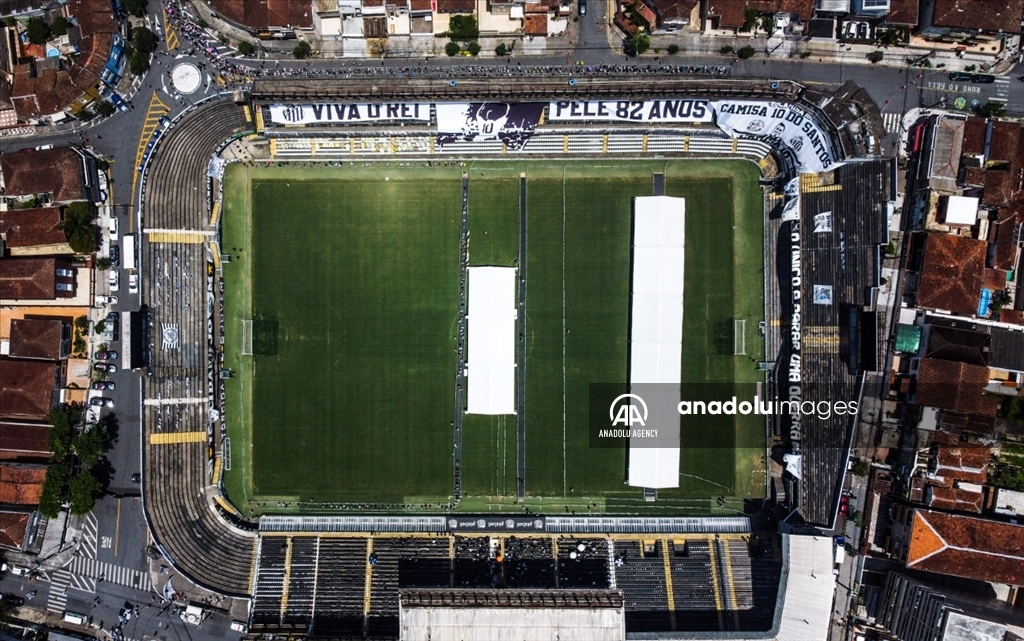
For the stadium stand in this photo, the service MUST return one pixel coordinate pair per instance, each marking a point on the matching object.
(190, 531)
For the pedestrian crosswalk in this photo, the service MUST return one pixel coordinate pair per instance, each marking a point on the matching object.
(87, 544)
(892, 122)
(60, 581)
(111, 573)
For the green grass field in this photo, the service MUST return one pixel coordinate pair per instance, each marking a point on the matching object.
(352, 279)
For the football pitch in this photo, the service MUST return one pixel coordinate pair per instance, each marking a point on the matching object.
(341, 301)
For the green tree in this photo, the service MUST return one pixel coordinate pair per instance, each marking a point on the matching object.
(875, 57)
(78, 228)
(636, 44)
(138, 64)
(104, 108)
(103, 263)
(302, 50)
(144, 40)
(673, 49)
(452, 48)
(474, 48)
(992, 109)
(725, 50)
(60, 26)
(52, 495)
(501, 50)
(861, 468)
(768, 25)
(749, 19)
(136, 7)
(38, 31)
(102, 164)
(90, 446)
(463, 26)
(83, 490)
(245, 48)
(746, 52)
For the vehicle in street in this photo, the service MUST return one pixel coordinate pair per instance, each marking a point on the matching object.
(112, 318)
(238, 626)
(115, 256)
(106, 300)
(42, 147)
(960, 76)
(16, 570)
(103, 385)
(136, 478)
(101, 401)
(115, 280)
(133, 283)
(12, 600)
(119, 102)
(583, 7)
(108, 355)
(75, 618)
(113, 228)
(110, 368)
(983, 78)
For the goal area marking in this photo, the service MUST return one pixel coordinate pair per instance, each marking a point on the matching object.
(247, 338)
(739, 337)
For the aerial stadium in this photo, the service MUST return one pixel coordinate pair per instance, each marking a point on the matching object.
(386, 321)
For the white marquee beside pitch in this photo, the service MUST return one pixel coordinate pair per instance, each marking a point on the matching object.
(656, 317)
(492, 332)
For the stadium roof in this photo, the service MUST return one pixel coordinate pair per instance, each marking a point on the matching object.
(512, 615)
(492, 331)
(656, 321)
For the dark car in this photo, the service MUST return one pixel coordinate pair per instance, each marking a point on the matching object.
(106, 356)
(13, 600)
(105, 367)
(983, 78)
(115, 256)
(112, 318)
(844, 505)
(960, 76)
(136, 478)
(101, 401)
(103, 385)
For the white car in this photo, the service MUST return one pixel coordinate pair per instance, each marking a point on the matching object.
(115, 282)
(133, 283)
(113, 228)
(106, 300)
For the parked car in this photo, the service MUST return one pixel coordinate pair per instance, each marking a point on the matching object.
(960, 76)
(136, 478)
(133, 283)
(13, 600)
(101, 401)
(112, 318)
(115, 256)
(106, 300)
(115, 281)
(983, 78)
(110, 368)
(844, 505)
(109, 355)
(113, 228)
(103, 385)
(16, 570)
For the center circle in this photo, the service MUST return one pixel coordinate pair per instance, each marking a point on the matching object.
(186, 77)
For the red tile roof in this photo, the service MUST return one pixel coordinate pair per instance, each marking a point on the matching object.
(974, 131)
(13, 526)
(984, 15)
(1005, 134)
(968, 463)
(23, 440)
(32, 227)
(954, 386)
(37, 338)
(535, 24)
(952, 498)
(263, 14)
(732, 13)
(903, 12)
(57, 171)
(458, 6)
(21, 483)
(27, 389)
(967, 547)
(668, 10)
(28, 278)
(952, 272)
(419, 5)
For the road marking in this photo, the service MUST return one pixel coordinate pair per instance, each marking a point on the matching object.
(176, 438)
(149, 125)
(112, 573)
(117, 527)
(892, 122)
(90, 527)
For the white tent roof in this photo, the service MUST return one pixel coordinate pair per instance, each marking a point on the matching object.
(962, 210)
(492, 333)
(656, 315)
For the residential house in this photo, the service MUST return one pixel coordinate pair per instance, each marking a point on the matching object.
(59, 172)
(13, 528)
(28, 389)
(40, 338)
(266, 15)
(23, 280)
(951, 273)
(34, 232)
(21, 483)
(24, 440)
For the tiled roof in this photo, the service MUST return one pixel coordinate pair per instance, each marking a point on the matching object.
(1006, 242)
(967, 547)
(731, 13)
(903, 12)
(21, 484)
(419, 5)
(974, 133)
(954, 386)
(458, 6)
(13, 526)
(968, 463)
(23, 440)
(57, 171)
(951, 274)
(32, 227)
(958, 344)
(28, 278)
(669, 10)
(535, 24)
(27, 389)
(1005, 134)
(262, 14)
(984, 15)
(36, 338)
(952, 498)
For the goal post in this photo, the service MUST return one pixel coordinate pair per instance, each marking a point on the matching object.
(247, 337)
(739, 337)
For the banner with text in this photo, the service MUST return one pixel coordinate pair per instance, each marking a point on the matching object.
(340, 113)
(646, 111)
(778, 122)
(512, 124)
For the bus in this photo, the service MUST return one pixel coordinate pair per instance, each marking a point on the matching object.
(129, 252)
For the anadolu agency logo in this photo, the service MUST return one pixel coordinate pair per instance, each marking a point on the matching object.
(626, 413)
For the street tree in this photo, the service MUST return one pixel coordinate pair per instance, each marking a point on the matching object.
(90, 446)
(145, 40)
(637, 44)
(245, 48)
(452, 48)
(302, 50)
(83, 490)
(52, 494)
(78, 228)
(501, 50)
(136, 7)
(473, 48)
(876, 56)
(746, 52)
(993, 109)
(463, 27)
